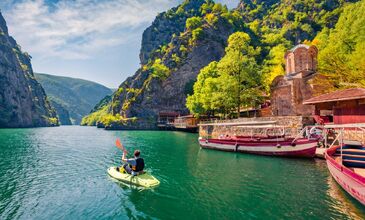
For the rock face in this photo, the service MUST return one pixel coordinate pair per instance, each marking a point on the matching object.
(143, 96)
(164, 26)
(23, 102)
(62, 113)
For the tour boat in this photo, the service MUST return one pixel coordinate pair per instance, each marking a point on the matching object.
(347, 166)
(300, 147)
(264, 144)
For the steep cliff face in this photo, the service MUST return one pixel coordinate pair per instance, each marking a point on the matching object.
(23, 102)
(62, 113)
(169, 70)
(165, 26)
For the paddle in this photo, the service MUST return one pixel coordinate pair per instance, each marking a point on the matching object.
(120, 146)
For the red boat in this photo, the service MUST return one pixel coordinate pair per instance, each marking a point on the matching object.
(275, 144)
(301, 147)
(347, 166)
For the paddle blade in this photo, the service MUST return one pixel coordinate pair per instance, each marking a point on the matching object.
(119, 145)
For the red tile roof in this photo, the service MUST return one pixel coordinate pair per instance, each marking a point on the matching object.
(341, 95)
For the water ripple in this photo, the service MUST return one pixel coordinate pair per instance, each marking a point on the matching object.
(60, 173)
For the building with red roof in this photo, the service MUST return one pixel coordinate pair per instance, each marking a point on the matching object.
(339, 107)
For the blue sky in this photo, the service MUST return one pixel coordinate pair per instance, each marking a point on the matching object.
(97, 40)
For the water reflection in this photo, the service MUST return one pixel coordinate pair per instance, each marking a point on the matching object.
(343, 202)
(60, 173)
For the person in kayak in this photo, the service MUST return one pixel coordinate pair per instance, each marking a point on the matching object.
(134, 165)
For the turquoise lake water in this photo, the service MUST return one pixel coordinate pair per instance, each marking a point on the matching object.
(60, 173)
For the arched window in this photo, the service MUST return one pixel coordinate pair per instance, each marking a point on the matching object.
(288, 64)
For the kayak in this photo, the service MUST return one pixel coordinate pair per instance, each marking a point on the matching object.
(144, 180)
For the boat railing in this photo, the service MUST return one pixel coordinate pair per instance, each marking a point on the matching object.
(340, 131)
(255, 130)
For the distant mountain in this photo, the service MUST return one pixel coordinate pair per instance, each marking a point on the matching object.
(72, 98)
(23, 102)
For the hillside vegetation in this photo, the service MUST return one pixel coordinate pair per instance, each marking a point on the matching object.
(337, 27)
(216, 60)
(72, 98)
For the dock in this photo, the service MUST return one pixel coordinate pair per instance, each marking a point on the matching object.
(320, 152)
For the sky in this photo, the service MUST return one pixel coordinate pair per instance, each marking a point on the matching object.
(97, 40)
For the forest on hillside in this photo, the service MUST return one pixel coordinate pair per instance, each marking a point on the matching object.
(257, 35)
(257, 57)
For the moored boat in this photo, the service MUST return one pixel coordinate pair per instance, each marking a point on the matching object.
(275, 144)
(301, 147)
(347, 166)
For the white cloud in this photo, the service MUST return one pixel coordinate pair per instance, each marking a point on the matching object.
(77, 29)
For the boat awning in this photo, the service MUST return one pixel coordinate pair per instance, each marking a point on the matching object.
(261, 126)
(246, 123)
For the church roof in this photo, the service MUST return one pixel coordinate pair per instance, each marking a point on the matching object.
(299, 46)
(341, 95)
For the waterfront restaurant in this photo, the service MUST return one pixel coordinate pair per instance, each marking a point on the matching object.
(339, 107)
(166, 120)
(186, 123)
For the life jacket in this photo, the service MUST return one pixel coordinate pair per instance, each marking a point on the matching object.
(139, 165)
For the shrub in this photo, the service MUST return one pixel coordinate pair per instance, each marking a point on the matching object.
(196, 35)
(211, 18)
(193, 23)
(159, 70)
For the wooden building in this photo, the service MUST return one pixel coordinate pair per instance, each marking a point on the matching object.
(186, 123)
(339, 107)
(166, 120)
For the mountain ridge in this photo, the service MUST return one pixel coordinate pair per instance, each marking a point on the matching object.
(73, 96)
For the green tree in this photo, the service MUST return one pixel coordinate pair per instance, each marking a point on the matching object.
(199, 102)
(342, 49)
(240, 63)
(229, 84)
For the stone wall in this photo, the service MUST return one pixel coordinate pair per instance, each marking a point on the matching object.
(355, 135)
(348, 135)
(292, 124)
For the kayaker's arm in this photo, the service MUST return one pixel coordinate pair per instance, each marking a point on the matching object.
(124, 159)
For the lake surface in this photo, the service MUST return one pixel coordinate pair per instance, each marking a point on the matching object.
(60, 173)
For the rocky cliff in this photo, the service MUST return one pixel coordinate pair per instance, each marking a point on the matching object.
(23, 102)
(62, 113)
(172, 55)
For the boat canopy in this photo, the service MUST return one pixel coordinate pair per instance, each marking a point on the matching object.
(239, 124)
(261, 126)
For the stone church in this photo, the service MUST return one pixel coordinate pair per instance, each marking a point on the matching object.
(289, 91)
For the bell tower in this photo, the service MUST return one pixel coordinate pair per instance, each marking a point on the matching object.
(301, 61)
(289, 91)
